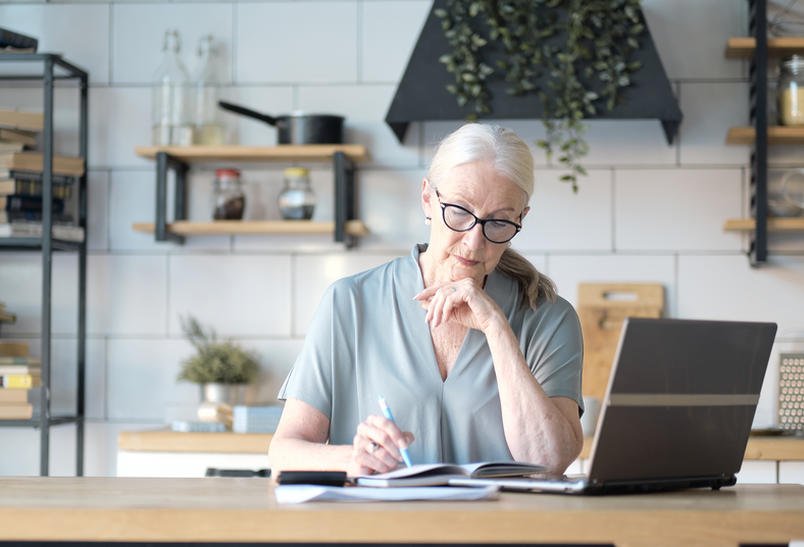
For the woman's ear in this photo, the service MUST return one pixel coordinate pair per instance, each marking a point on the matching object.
(427, 195)
(525, 213)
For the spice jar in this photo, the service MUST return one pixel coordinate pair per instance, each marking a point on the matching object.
(791, 91)
(296, 200)
(229, 200)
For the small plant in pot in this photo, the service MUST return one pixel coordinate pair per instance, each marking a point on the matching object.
(222, 368)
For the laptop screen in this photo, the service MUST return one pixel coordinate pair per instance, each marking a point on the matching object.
(680, 401)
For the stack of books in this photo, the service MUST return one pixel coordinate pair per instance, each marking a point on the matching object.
(21, 180)
(255, 419)
(19, 372)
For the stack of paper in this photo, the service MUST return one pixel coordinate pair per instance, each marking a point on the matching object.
(300, 493)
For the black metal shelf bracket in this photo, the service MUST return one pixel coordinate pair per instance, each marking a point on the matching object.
(164, 163)
(758, 93)
(344, 172)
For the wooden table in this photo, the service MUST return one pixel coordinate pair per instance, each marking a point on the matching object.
(244, 510)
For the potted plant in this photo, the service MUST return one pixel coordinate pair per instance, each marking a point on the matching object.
(222, 368)
(573, 56)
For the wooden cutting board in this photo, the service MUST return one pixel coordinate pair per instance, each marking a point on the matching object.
(602, 308)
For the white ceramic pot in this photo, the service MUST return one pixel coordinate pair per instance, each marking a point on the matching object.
(230, 394)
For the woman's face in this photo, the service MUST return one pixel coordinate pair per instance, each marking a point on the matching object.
(478, 188)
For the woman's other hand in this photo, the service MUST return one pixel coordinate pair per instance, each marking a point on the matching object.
(375, 447)
(460, 301)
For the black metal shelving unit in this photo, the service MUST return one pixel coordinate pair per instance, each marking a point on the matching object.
(53, 69)
(758, 94)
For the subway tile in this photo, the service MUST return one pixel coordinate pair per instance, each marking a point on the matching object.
(98, 211)
(390, 205)
(676, 210)
(710, 109)
(553, 221)
(690, 36)
(627, 142)
(84, 41)
(281, 42)
(757, 472)
(127, 295)
(568, 271)
(145, 25)
(364, 108)
(142, 380)
(276, 358)
(21, 282)
(389, 33)
(727, 287)
(119, 121)
(235, 294)
(791, 472)
(64, 379)
(313, 274)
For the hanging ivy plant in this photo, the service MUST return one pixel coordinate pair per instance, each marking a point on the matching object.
(574, 55)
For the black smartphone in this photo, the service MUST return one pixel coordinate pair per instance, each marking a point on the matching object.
(324, 478)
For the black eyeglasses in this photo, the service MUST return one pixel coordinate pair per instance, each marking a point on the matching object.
(460, 219)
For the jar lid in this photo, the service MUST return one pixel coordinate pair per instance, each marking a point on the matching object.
(296, 172)
(793, 61)
(219, 173)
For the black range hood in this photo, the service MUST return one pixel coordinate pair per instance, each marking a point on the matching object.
(422, 93)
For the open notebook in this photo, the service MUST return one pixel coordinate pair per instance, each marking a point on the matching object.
(441, 473)
(678, 409)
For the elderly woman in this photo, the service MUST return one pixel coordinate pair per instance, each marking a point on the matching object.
(477, 356)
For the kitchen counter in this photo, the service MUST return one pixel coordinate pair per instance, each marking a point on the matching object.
(245, 510)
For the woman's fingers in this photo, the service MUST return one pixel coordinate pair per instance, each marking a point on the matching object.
(375, 447)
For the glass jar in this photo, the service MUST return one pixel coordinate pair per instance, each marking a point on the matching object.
(170, 114)
(791, 91)
(206, 128)
(297, 200)
(229, 199)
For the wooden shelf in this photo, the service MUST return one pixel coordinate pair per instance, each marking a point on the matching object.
(308, 152)
(742, 47)
(253, 227)
(777, 134)
(776, 224)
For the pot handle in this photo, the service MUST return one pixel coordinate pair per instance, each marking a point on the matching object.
(248, 112)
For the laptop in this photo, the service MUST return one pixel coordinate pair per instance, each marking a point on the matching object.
(677, 412)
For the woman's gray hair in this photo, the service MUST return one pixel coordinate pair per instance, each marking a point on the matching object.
(511, 157)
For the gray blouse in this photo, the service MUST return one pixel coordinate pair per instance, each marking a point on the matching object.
(369, 339)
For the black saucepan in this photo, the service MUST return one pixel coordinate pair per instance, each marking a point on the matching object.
(297, 128)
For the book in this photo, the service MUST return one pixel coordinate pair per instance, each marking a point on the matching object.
(193, 426)
(255, 419)
(27, 121)
(13, 349)
(6, 146)
(66, 232)
(13, 396)
(24, 202)
(35, 370)
(434, 474)
(301, 493)
(34, 162)
(24, 360)
(30, 184)
(28, 138)
(33, 216)
(7, 317)
(20, 411)
(15, 41)
(19, 381)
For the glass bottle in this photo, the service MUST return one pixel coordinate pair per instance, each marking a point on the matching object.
(296, 200)
(229, 201)
(206, 128)
(169, 99)
(791, 91)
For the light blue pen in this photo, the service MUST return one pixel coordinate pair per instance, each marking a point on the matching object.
(386, 410)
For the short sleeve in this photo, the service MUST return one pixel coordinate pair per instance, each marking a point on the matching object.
(554, 349)
(311, 378)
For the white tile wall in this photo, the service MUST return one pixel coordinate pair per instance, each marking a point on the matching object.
(676, 209)
(647, 211)
(85, 41)
(390, 30)
(281, 42)
(145, 26)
